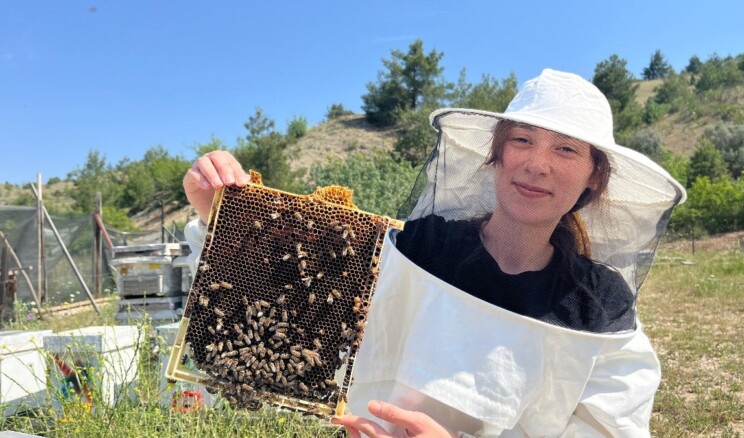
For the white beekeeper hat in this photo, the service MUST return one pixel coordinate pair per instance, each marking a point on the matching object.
(623, 229)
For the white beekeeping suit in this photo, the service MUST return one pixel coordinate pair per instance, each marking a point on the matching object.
(479, 369)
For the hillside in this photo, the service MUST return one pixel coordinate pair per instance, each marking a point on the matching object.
(338, 138)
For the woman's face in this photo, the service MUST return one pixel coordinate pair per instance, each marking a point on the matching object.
(541, 175)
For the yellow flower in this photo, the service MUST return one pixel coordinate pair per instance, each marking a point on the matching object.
(282, 420)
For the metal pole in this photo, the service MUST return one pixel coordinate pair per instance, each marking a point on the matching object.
(69, 257)
(23, 271)
(6, 297)
(97, 247)
(41, 273)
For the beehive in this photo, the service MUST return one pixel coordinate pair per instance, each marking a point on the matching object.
(279, 301)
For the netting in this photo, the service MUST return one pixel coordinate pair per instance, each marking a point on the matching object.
(20, 225)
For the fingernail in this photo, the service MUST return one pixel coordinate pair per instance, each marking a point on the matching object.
(374, 406)
(335, 419)
(229, 178)
(245, 179)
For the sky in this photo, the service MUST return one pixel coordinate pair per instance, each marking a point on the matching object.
(123, 77)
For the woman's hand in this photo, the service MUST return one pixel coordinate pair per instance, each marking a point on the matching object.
(412, 423)
(211, 171)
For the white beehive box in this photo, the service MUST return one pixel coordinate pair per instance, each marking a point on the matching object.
(146, 276)
(186, 277)
(184, 394)
(109, 354)
(22, 370)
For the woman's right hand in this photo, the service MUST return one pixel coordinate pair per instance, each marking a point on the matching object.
(210, 172)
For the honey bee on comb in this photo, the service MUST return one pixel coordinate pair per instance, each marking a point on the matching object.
(254, 327)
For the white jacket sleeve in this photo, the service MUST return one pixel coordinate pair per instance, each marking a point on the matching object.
(619, 394)
(195, 231)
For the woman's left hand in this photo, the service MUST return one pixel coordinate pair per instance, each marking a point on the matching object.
(413, 424)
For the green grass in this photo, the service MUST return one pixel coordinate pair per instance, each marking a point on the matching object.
(693, 313)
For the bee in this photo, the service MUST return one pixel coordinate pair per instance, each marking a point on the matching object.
(226, 285)
(330, 382)
(286, 257)
(295, 353)
(210, 347)
(276, 215)
(332, 253)
(288, 286)
(311, 298)
(302, 265)
(307, 281)
(350, 250)
(375, 270)
(319, 275)
(204, 267)
(335, 293)
(333, 224)
(264, 303)
(351, 234)
(257, 225)
(298, 215)
(345, 233)
(237, 329)
(219, 312)
(310, 225)
(219, 324)
(281, 299)
(229, 345)
(211, 330)
(220, 345)
(214, 286)
(303, 388)
(329, 300)
(266, 260)
(344, 274)
(345, 251)
(279, 335)
(204, 300)
(284, 315)
(317, 343)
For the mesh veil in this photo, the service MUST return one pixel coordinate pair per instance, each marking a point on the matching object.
(623, 227)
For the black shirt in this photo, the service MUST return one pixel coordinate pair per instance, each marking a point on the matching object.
(452, 251)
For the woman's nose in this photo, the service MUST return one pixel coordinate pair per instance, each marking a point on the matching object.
(538, 161)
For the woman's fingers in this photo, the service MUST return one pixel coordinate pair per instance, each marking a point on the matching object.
(415, 423)
(356, 425)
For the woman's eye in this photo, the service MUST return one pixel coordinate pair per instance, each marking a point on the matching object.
(520, 139)
(567, 149)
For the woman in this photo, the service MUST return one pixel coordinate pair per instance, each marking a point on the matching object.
(489, 318)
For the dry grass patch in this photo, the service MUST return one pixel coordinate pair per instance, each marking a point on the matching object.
(694, 315)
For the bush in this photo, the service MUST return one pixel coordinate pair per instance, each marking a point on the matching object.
(336, 110)
(729, 141)
(418, 137)
(719, 73)
(296, 128)
(716, 207)
(646, 141)
(380, 183)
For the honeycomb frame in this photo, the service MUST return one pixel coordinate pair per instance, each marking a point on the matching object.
(279, 301)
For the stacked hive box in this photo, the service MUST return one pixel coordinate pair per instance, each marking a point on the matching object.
(93, 363)
(22, 370)
(148, 282)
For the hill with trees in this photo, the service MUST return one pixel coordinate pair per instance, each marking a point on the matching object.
(690, 121)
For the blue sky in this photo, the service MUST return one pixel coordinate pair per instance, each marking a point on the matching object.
(122, 77)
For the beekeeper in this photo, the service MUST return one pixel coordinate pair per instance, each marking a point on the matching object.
(506, 306)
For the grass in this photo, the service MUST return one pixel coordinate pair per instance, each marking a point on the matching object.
(693, 313)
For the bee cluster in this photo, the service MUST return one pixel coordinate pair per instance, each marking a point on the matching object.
(279, 301)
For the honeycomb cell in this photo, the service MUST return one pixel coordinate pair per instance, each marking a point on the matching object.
(280, 299)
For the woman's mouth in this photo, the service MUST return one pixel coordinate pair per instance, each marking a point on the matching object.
(529, 191)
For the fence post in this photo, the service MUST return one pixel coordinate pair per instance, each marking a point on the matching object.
(97, 247)
(41, 274)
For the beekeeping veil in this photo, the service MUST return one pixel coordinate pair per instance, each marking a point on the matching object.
(433, 348)
(623, 229)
